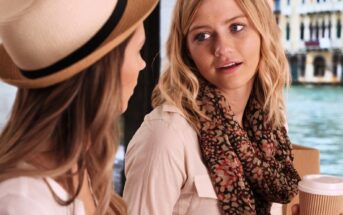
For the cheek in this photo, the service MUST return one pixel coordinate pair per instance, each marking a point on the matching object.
(201, 57)
(129, 78)
(132, 65)
(253, 53)
(256, 44)
(128, 83)
(130, 69)
(257, 49)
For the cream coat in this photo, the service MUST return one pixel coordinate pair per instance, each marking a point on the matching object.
(164, 171)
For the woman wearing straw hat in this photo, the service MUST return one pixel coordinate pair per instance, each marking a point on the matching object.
(75, 63)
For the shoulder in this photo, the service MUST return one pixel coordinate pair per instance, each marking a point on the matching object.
(164, 130)
(22, 186)
(22, 195)
(165, 123)
(169, 116)
(29, 195)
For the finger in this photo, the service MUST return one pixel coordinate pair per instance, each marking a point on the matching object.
(295, 209)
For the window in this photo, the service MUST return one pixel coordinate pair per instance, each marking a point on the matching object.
(317, 31)
(323, 29)
(339, 28)
(288, 32)
(302, 28)
(335, 62)
(311, 31)
(319, 66)
(302, 65)
(329, 29)
(288, 2)
(294, 67)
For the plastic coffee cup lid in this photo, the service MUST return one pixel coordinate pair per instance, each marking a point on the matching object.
(322, 185)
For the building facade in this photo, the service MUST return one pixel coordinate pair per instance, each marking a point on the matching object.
(313, 39)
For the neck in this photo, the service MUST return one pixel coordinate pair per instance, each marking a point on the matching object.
(237, 98)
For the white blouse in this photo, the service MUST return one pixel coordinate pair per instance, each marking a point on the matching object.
(31, 196)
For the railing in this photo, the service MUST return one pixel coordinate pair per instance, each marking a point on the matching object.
(312, 43)
(324, 43)
(320, 7)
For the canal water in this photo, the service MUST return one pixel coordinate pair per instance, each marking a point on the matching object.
(315, 119)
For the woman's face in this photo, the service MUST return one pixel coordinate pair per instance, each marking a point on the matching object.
(132, 65)
(223, 44)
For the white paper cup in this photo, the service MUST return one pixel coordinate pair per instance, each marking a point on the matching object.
(321, 195)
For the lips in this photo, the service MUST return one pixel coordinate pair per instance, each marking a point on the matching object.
(228, 67)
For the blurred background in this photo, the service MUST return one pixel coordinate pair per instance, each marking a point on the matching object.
(313, 41)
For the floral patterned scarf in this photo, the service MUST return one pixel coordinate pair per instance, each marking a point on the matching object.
(249, 167)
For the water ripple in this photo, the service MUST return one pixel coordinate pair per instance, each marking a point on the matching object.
(315, 119)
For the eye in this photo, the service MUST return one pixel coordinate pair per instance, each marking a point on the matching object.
(201, 37)
(236, 27)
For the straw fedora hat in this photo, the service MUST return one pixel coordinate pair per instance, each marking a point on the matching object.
(45, 42)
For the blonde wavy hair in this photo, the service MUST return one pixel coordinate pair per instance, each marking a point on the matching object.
(71, 123)
(179, 84)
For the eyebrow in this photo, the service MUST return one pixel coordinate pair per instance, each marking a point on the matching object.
(206, 26)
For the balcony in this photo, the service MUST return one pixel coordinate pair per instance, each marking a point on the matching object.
(324, 43)
(312, 44)
(321, 7)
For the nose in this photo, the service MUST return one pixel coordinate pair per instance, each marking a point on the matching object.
(142, 64)
(223, 46)
(221, 51)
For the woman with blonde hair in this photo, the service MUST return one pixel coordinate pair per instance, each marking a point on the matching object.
(75, 64)
(216, 141)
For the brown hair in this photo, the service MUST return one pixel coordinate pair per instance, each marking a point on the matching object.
(179, 84)
(74, 122)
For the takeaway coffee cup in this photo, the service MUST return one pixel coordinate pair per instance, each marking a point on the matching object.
(321, 195)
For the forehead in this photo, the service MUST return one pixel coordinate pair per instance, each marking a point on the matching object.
(216, 10)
